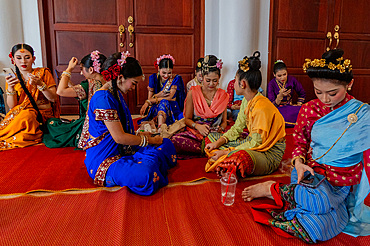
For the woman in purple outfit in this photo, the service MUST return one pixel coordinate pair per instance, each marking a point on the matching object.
(280, 92)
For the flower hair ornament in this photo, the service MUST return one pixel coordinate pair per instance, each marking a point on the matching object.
(122, 61)
(159, 59)
(244, 65)
(206, 67)
(278, 61)
(114, 71)
(11, 57)
(341, 66)
(95, 58)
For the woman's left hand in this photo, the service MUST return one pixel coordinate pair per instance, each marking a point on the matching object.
(35, 80)
(217, 154)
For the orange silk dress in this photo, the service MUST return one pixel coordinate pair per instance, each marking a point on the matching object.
(20, 127)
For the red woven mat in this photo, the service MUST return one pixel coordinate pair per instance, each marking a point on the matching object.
(179, 215)
(41, 168)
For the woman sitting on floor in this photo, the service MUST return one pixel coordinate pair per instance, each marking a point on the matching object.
(166, 94)
(64, 134)
(32, 99)
(261, 152)
(205, 109)
(198, 76)
(280, 92)
(114, 155)
(331, 143)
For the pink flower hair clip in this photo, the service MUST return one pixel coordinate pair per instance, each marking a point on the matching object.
(219, 64)
(95, 58)
(159, 59)
(124, 56)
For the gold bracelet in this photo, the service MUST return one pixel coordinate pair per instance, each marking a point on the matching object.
(295, 158)
(149, 102)
(42, 87)
(10, 93)
(68, 74)
(225, 138)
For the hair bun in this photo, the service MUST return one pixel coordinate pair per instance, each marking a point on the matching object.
(257, 54)
(254, 61)
(333, 55)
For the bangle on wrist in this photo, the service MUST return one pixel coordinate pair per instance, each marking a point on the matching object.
(10, 93)
(149, 102)
(193, 125)
(65, 73)
(295, 158)
(41, 87)
(226, 139)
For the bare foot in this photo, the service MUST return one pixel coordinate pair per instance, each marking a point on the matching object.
(257, 190)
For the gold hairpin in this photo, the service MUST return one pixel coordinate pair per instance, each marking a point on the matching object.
(243, 64)
(322, 63)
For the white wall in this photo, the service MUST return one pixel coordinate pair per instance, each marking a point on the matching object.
(234, 29)
(19, 24)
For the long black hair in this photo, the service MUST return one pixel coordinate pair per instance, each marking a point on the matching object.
(130, 69)
(335, 57)
(87, 61)
(253, 74)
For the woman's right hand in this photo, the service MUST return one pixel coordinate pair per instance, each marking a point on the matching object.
(211, 146)
(203, 129)
(301, 169)
(143, 108)
(11, 81)
(156, 140)
(72, 64)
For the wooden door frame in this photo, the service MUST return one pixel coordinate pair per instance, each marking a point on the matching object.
(47, 63)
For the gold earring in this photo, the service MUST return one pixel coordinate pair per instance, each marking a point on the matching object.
(349, 88)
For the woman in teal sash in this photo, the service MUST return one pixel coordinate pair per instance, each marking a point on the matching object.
(64, 133)
(114, 154)
(331, 141)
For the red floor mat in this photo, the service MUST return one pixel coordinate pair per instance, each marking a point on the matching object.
(179, 215)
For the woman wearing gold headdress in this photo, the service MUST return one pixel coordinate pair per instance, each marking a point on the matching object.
(32, 99)
(261, 152)
(331, 159)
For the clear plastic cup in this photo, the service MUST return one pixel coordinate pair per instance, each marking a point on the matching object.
(228, 189)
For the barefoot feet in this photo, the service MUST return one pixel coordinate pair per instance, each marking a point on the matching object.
(257, 190)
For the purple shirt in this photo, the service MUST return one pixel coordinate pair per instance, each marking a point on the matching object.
(274, 87)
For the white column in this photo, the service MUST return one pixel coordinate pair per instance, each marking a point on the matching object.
(234, 29)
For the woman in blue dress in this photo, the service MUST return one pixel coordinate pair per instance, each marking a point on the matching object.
(114, 154)
(166, 94)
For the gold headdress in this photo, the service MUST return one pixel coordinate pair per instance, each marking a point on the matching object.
(341, 66)
(244, 65)
(205, 67)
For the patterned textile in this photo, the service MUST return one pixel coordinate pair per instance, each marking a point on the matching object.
(142, 169)
(322, 213)
(204, 113)
(261, 163)
(171, 110)
(193, 82)
(65, 134)
(20, 127)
